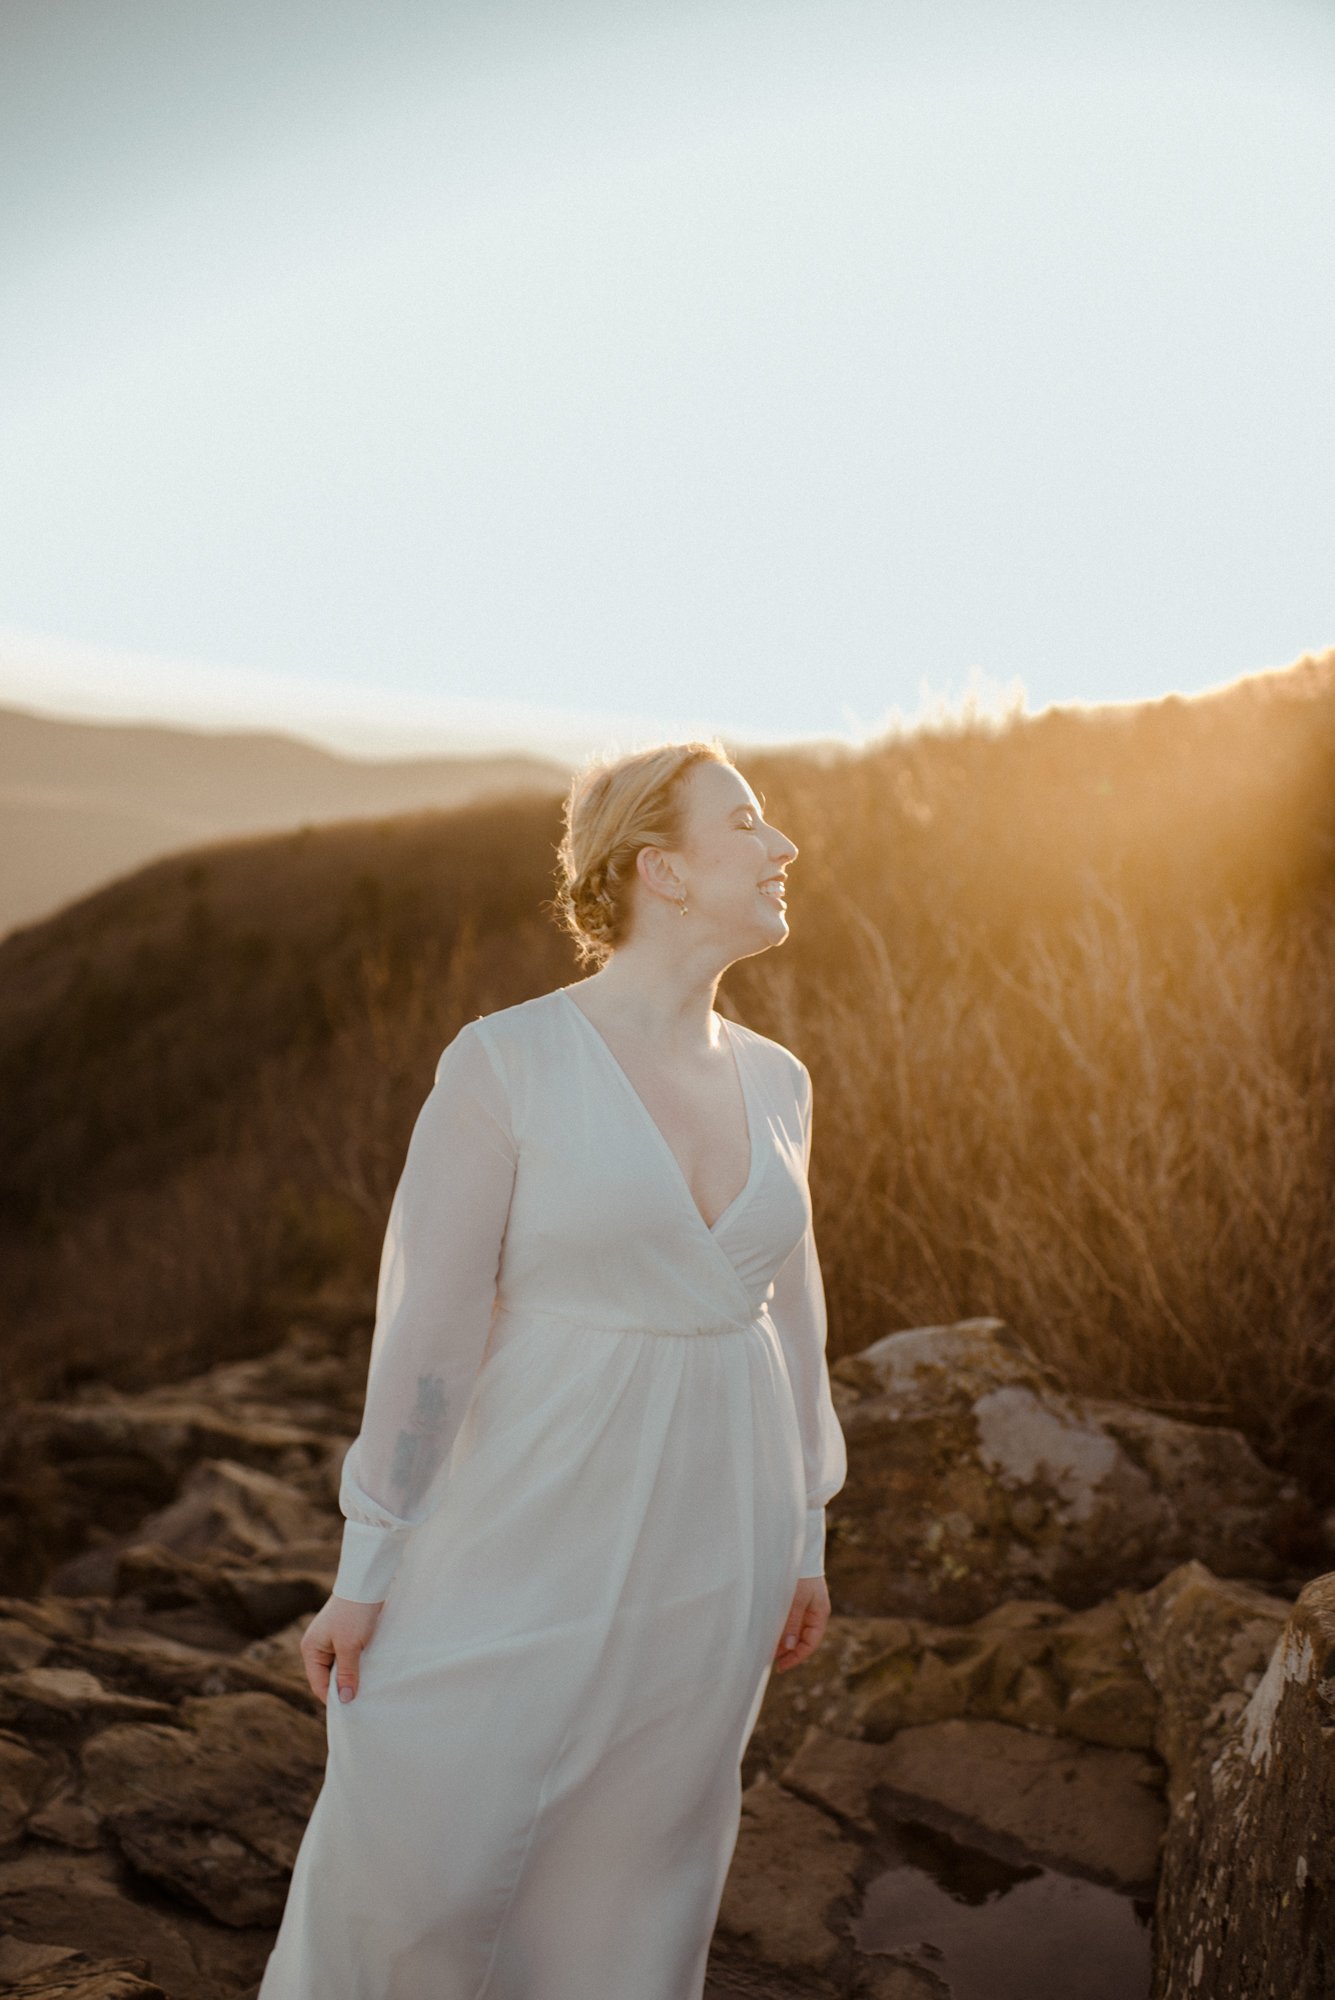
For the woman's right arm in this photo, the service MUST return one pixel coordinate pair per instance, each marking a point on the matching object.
(437, 1286)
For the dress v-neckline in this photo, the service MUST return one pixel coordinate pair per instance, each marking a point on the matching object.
(711, 1229)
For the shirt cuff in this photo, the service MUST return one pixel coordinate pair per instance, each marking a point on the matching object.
(367, 1561)
(813, 1548)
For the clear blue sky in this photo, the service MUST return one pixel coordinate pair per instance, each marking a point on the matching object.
(434, 372)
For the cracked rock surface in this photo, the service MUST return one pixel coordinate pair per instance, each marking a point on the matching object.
(1064, 1661)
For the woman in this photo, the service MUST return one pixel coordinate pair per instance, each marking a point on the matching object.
(585, 1510)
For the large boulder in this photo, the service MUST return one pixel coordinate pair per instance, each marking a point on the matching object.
(1204, 1642)
(975, 1476)
(1247, 1894)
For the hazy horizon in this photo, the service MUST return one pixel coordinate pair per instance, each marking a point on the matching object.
(224, 705)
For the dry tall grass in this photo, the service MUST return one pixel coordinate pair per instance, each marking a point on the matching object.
(1123, 1149)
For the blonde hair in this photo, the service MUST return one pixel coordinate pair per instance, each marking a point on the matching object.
(614, 807)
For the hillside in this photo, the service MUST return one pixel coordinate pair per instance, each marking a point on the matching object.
(82, 803)
(1064, 986)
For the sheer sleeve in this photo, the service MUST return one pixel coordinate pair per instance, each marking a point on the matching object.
(434, 1298)
(798, 1311)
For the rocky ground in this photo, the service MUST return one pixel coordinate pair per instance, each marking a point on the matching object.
(1072, 1728)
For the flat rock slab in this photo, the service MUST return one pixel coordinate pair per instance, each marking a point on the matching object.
(793, 1872)
(45, 1699)
(903, 1982)
(23, 1780)
(52, 1903)
(20, 1646)
(213, 1809)
(1076, 1806)
(1030, 1662)
(49, 1972)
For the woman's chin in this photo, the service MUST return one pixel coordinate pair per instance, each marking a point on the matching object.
(769, 928)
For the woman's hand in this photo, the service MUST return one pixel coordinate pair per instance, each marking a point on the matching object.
(804, 1627)
(335, 1639)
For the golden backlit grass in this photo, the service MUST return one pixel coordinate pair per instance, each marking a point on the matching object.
(1122, 1149)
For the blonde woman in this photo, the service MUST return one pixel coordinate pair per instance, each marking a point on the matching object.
(585, 1510)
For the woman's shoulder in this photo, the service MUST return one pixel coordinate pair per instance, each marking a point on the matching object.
(777, 1059)
(509, 1031)
(507, 1049)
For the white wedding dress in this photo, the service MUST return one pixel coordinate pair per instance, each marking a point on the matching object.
(594, 1459)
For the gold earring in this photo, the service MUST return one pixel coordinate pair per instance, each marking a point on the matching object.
(681, 905)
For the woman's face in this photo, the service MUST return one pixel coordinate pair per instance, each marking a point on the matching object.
(729, 861)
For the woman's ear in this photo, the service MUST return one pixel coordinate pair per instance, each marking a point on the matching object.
(657, 872)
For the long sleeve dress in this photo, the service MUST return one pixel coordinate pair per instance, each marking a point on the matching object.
(595, 1454)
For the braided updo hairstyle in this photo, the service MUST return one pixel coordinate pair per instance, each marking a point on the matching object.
(613, 808)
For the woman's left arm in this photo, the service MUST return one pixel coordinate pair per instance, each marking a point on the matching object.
(797, 1308)
(799, 1313)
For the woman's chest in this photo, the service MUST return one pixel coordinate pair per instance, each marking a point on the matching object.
(596, 1176)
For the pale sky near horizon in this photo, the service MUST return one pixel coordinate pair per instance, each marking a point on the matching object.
(430, 375)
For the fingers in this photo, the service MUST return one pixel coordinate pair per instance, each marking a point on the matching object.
(803, 1630)
(328, 1663)
(801, 1648)
(345, 1676)
(332, 1646)
(330, 1659)
(317, 1659)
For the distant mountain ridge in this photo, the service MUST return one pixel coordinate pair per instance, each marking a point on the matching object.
(84, 802)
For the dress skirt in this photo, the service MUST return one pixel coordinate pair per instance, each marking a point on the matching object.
(535, 1793)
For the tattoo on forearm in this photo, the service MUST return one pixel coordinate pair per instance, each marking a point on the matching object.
(415, 1451)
